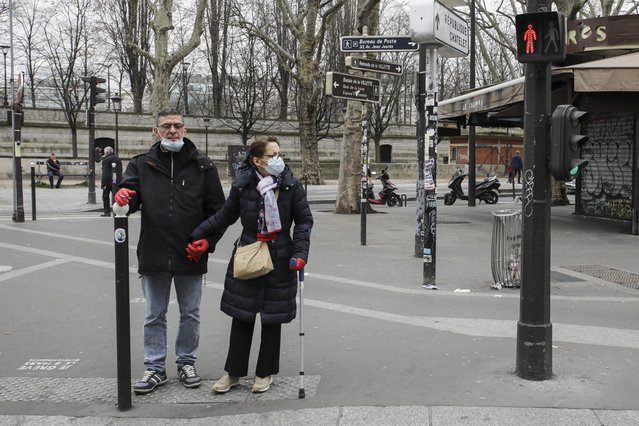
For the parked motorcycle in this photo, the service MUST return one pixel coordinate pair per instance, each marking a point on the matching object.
(487, 191)
(388, 195)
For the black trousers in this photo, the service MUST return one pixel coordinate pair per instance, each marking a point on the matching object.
(268, 361)
(107, 199)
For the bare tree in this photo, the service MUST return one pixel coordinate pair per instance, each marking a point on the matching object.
(66, 45)
(32, 21)
(217, 51)
(350, 170)
(161, 60)
(306, 23)
(129, 19)
(251, 86)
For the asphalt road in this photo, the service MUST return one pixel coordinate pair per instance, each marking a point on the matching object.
(374, 336)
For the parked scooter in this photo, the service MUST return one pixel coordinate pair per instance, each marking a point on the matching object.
(487, 191)
(388, 195)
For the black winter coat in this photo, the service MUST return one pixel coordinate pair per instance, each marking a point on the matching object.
(272, 295)
(107, 170)
(177, 191)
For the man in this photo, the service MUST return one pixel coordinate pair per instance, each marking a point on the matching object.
(53, 169)
(108, 185)
(517, 165)
(178, 187)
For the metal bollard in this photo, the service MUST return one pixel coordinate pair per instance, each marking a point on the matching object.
(404, 199)
(122, 310)
(33, 192)
(506, 248)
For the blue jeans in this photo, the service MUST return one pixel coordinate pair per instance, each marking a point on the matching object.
(157, 291)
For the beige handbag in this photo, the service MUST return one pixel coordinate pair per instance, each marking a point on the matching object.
(252, 261)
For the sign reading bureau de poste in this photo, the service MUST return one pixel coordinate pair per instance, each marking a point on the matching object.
(378, 44)
(433, 23)
(352, 87)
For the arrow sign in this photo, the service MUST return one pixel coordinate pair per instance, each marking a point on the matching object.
(374, 65)
(378, 44)
(431, 22)
(352, 87)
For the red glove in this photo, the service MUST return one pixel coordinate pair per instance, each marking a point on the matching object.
(196, 249)
(123, 196)
(296, 264)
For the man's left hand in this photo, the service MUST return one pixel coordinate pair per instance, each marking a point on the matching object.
(196, 249)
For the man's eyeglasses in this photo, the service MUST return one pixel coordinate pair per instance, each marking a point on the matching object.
(167, 126)
(271, 155)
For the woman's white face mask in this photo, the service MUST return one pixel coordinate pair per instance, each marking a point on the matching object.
(275, 166)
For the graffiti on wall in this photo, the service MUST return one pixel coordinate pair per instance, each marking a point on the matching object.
(606, 183)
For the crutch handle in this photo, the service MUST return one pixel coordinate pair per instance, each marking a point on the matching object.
(301, 274)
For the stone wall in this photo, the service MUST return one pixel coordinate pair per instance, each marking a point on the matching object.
(46, 131)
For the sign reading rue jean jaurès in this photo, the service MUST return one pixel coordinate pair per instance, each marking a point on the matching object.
(373, 65)
(352, 87)
(378, 44)
(433, 23)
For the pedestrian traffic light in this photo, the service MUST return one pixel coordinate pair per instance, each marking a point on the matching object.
(541, 37)
(95, 91)
(566, 141)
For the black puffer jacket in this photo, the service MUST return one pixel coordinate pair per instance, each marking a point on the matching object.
(177, 191)
(273, 295)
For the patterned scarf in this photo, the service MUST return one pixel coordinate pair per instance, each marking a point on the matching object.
(268, 219)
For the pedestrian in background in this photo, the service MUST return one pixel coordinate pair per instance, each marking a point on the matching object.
(109, 158)
(177, 187)
(53, 169)
(268, 199)
(517, 165)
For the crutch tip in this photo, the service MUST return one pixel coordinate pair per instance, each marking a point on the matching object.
(301, 394)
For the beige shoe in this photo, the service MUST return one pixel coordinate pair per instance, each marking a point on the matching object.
(262, 384)
(225, 383)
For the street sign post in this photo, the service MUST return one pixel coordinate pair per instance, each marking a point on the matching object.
(374, 65)
(352, 87)
(378, 44)
(433, 23)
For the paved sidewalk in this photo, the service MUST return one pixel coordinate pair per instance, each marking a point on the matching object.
(74, 197)
(73, 200)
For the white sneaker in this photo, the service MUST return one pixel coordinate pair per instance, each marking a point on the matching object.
(225, 383)
(262, 384)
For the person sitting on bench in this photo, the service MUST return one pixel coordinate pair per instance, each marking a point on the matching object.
(53, 169)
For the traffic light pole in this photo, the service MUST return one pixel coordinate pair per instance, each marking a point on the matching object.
(91, 167)
(534, 330)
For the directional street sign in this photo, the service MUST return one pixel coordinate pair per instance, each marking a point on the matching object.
(374, 65)
(433, 23)
(352, 87)
(378, 44)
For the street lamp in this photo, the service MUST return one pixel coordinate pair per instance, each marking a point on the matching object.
(108, 96)
(116, 100)
(5, 50)
(207, 121)
(185, 67)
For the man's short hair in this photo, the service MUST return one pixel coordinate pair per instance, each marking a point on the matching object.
(108, 150)
(165, 112)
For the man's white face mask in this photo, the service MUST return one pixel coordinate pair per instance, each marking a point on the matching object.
(173, 146)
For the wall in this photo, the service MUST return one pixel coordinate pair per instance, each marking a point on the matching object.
(46, 131)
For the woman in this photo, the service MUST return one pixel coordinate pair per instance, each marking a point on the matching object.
(268, 199)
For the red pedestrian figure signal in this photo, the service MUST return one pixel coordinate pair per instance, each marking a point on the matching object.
(529, 37)
(541, 37)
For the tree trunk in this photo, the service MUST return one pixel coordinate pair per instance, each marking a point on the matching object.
(350, 168)
(311, 171)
